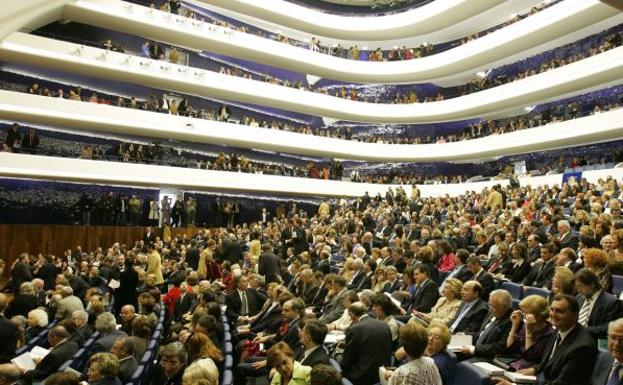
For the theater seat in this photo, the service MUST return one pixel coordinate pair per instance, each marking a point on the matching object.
(468, 374)
(335, 364)
(516, 290)
(530, 290)
(617, 284)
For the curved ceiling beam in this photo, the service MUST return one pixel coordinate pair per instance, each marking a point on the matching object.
(597, 71)
(101, 118)
(428, 18)
(503, 45)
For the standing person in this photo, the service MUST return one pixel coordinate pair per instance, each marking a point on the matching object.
(9, 333)
(165, 211)
(154, 213)
(191, 212)
(134, 208)
(21, 272)
(368, 346)
(269, 264)
(154, 264)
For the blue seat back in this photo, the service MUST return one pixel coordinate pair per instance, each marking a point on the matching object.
(530, 290)
(617, 284)
(513, 288)
(336, 365)
(469, 374)
(228, 378)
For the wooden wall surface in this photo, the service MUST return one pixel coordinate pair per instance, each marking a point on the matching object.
(55, 239)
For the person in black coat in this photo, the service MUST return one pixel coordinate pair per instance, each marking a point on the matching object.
(542, 273)
(269, 264)
(471, 313)
(62, 351)
(605, 307)
(21, 272)
(312, 352)
(571, 352)
(234, 300)
(368, 346)
(479, 274)
(9, 334)
(128, 284)
(192, 255)
(24, 302)
(427, 293)
(47, 272)
(519, 268)
(494, 329)
(230, 249)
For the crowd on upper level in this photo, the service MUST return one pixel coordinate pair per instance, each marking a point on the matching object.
(308, 297)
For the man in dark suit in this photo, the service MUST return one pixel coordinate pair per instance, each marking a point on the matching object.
(534, 247)
(9, 334)
(543, 272)
(149, 237)
(597, 307)
(460, 270)
(334, 308)
(608, 367)
(312, 350)
(106, 324)
(571, 352)
(123, 349)
(426, 292)
(269, 264)
(368, 346)
(359, 275)
(230, 249)
(479, 274)
(21, 272)
(472, 311)
(192, 255)
(61, 351)
(369, 267)
(566, 237)
(128, 317)
(241, 301)
(393, 283)
(494, 330)
(185, 303)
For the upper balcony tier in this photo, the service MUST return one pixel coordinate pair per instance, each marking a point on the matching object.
(562, 23)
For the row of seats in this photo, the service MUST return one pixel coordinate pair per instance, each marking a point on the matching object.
(148, 361)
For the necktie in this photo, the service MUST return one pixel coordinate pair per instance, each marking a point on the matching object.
(585, 312)
(615, 377)
(458, 319)
(485, 331)
(244, 309)
(556, 343)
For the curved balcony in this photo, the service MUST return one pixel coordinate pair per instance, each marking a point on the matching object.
(65, 113)
(125, 174)
(594, 72)
(560, 24)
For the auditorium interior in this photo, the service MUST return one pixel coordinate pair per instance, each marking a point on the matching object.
(311, 192)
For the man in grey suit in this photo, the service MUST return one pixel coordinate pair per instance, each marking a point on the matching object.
(106, 324)
(334, 308)
(69, 304)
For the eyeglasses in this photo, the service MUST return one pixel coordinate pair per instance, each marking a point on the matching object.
(614, 337)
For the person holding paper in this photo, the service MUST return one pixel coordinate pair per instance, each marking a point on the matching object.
(61, 350)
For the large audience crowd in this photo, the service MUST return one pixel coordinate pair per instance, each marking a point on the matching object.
(530, 273)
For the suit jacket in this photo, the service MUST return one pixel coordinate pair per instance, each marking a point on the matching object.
(486, 281)
(573, 361)
(518, 274)
(234, 304)
(365, 283)
(541, 275)
(290, 336)
(21, 305)
(269, 266)
(368, 346)
(47, 273)
(20, 274)
(268, 319)
(357, 279)
(317, 357)
(463, 274)
(334, 308)
(319, 298)
(51, 362)
(9, 334)
(606, 308)
(185, 305)
(127, 366)
(192, 258)
(472, 321)
(492, 338)
(425, 297)
(67, 306)
(104, 343)
(571, 240)
(392, 287)
(309, 293)
(324, 266)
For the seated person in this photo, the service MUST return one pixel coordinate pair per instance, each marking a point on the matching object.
(62, 350)
(103, 369)
(530, 332)
(420, 370)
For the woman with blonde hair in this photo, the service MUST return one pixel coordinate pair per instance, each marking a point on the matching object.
(530, 339)
(197, 374)
(447, 305)
(562, 282)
